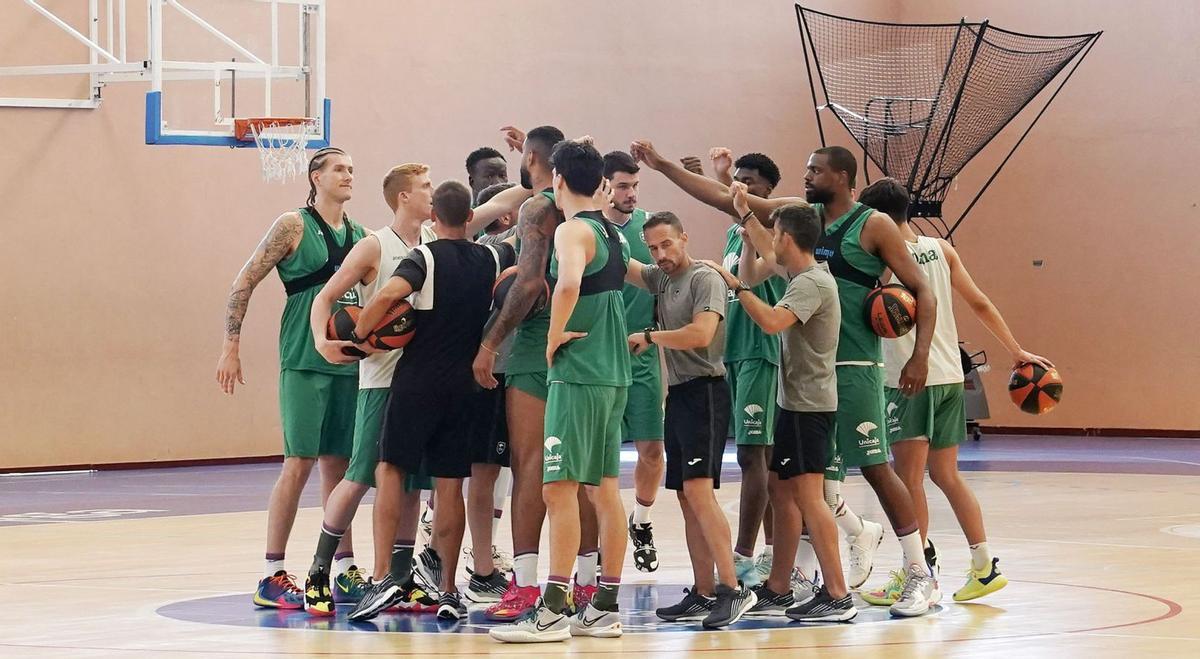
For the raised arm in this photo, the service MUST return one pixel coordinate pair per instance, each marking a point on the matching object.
(722, 161)
(535, 225)
(881, 234)
(507, 201)
(570, 246)
(772, 320)
(985, 311)
(757, 262)
(359, 267)
(281, 241)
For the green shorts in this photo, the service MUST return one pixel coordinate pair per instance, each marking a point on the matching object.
(753, 383)
(643, 420)
(860, 428)
(368, 422)
(317, 411)
(583, 433)
(936, 414)
(533, 384)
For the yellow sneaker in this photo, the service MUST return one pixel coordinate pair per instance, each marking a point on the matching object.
(890, 593)
(980, 583)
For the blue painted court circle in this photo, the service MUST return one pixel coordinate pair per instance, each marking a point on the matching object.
(638, 602)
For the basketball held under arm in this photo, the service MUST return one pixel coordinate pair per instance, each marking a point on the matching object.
(358, 268)
(377, 307)
(881, 236)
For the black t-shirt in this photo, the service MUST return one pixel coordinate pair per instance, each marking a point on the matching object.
(452, 282)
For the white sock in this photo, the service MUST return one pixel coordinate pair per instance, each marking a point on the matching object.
(768, 551)
(737, 553)
(806, 558)
(850, 523)
(341, 565)
(500, 489)
(641, 514)
(525, 569)
(585, 568)
(914, 553)
(981, 557)
(272, 567)
(495, 529)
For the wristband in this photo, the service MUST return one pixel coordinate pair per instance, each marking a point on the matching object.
(485, 347)
(646, 335)
(746, 218)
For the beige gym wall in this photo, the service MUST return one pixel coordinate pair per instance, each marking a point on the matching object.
(118, 256)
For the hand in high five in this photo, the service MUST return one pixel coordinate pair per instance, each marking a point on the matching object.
(645, 152)
(692, 164)
(515, 138)
(740, 193)
(722, 160)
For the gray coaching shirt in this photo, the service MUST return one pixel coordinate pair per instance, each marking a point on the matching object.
(679, 298)
(807, 378)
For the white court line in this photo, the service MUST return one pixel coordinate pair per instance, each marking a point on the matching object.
(1140, 637)
(1181, 462)
(1135, 519)
(1095, 544)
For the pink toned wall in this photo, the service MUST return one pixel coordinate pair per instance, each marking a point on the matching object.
(118, 256)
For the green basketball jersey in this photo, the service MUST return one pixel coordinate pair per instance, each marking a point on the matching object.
(744, 339)
(856, 341)
(296, 349)
(639, 304)
(528, 353)
(601, 357)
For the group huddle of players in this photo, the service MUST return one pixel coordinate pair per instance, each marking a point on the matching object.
(769, 346)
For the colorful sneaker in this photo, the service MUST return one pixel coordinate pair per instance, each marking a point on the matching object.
(862, 553)
(413, 598)
(279, 592)
(803, 588)
(427, 569)
(581, 596)
(762, 566)
(823, 608)
(541, 626)
(451, 607)
(591, 621)
(745, 570)
(984, 582)
(318, 600)
(487, 589)
(770, 603)
(349, 586)
(380, 595)
(919, 594)
(890, 593)
(931, 557)
(729, 607)
(694, 606)
(516, 601)
(645, 555)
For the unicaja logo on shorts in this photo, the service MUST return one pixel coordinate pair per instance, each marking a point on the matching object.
(551, 456)
(865, 429)
(754, 419)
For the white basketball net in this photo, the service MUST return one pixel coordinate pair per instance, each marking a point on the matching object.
(281, 149)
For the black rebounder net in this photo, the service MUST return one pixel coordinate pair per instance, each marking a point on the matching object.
(922, 100)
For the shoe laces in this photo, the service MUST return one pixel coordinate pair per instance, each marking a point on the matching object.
(287, 582)
(354, 574)
(914, 581)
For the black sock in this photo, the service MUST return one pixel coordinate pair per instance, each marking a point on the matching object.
(606, 595)
(555, 595)
(402, 560)
(326, 546)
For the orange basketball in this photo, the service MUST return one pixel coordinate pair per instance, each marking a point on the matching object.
(1034, 389)
(341, 327)
(504, 283)
(396, 328)
(891, 311)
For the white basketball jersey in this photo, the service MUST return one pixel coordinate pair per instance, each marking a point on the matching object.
(945, 365)
(375, 371)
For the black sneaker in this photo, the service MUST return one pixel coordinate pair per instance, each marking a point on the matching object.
(931, 558)
(730, 605)
(694, 606)
(770, 603)
(427, 569)
(824, 608)
(451, 607)
(645, 556)
(379, 596)
(318, 598)
(487, 589)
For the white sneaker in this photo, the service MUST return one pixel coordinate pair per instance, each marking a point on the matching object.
(543, 626)
(917, 596)
(862, 553)
(425, 526)
(745, 570)
(803, 588)
(591, 621)
(762, 566)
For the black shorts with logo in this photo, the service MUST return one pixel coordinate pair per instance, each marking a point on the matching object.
(489, 434)
(803, 443)
(696, 425)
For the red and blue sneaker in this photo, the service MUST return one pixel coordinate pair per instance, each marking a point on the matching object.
(279, 592)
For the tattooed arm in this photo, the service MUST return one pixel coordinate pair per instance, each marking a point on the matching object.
(280, 242)
(535, 224)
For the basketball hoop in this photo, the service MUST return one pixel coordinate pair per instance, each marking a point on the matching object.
(281, 142)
